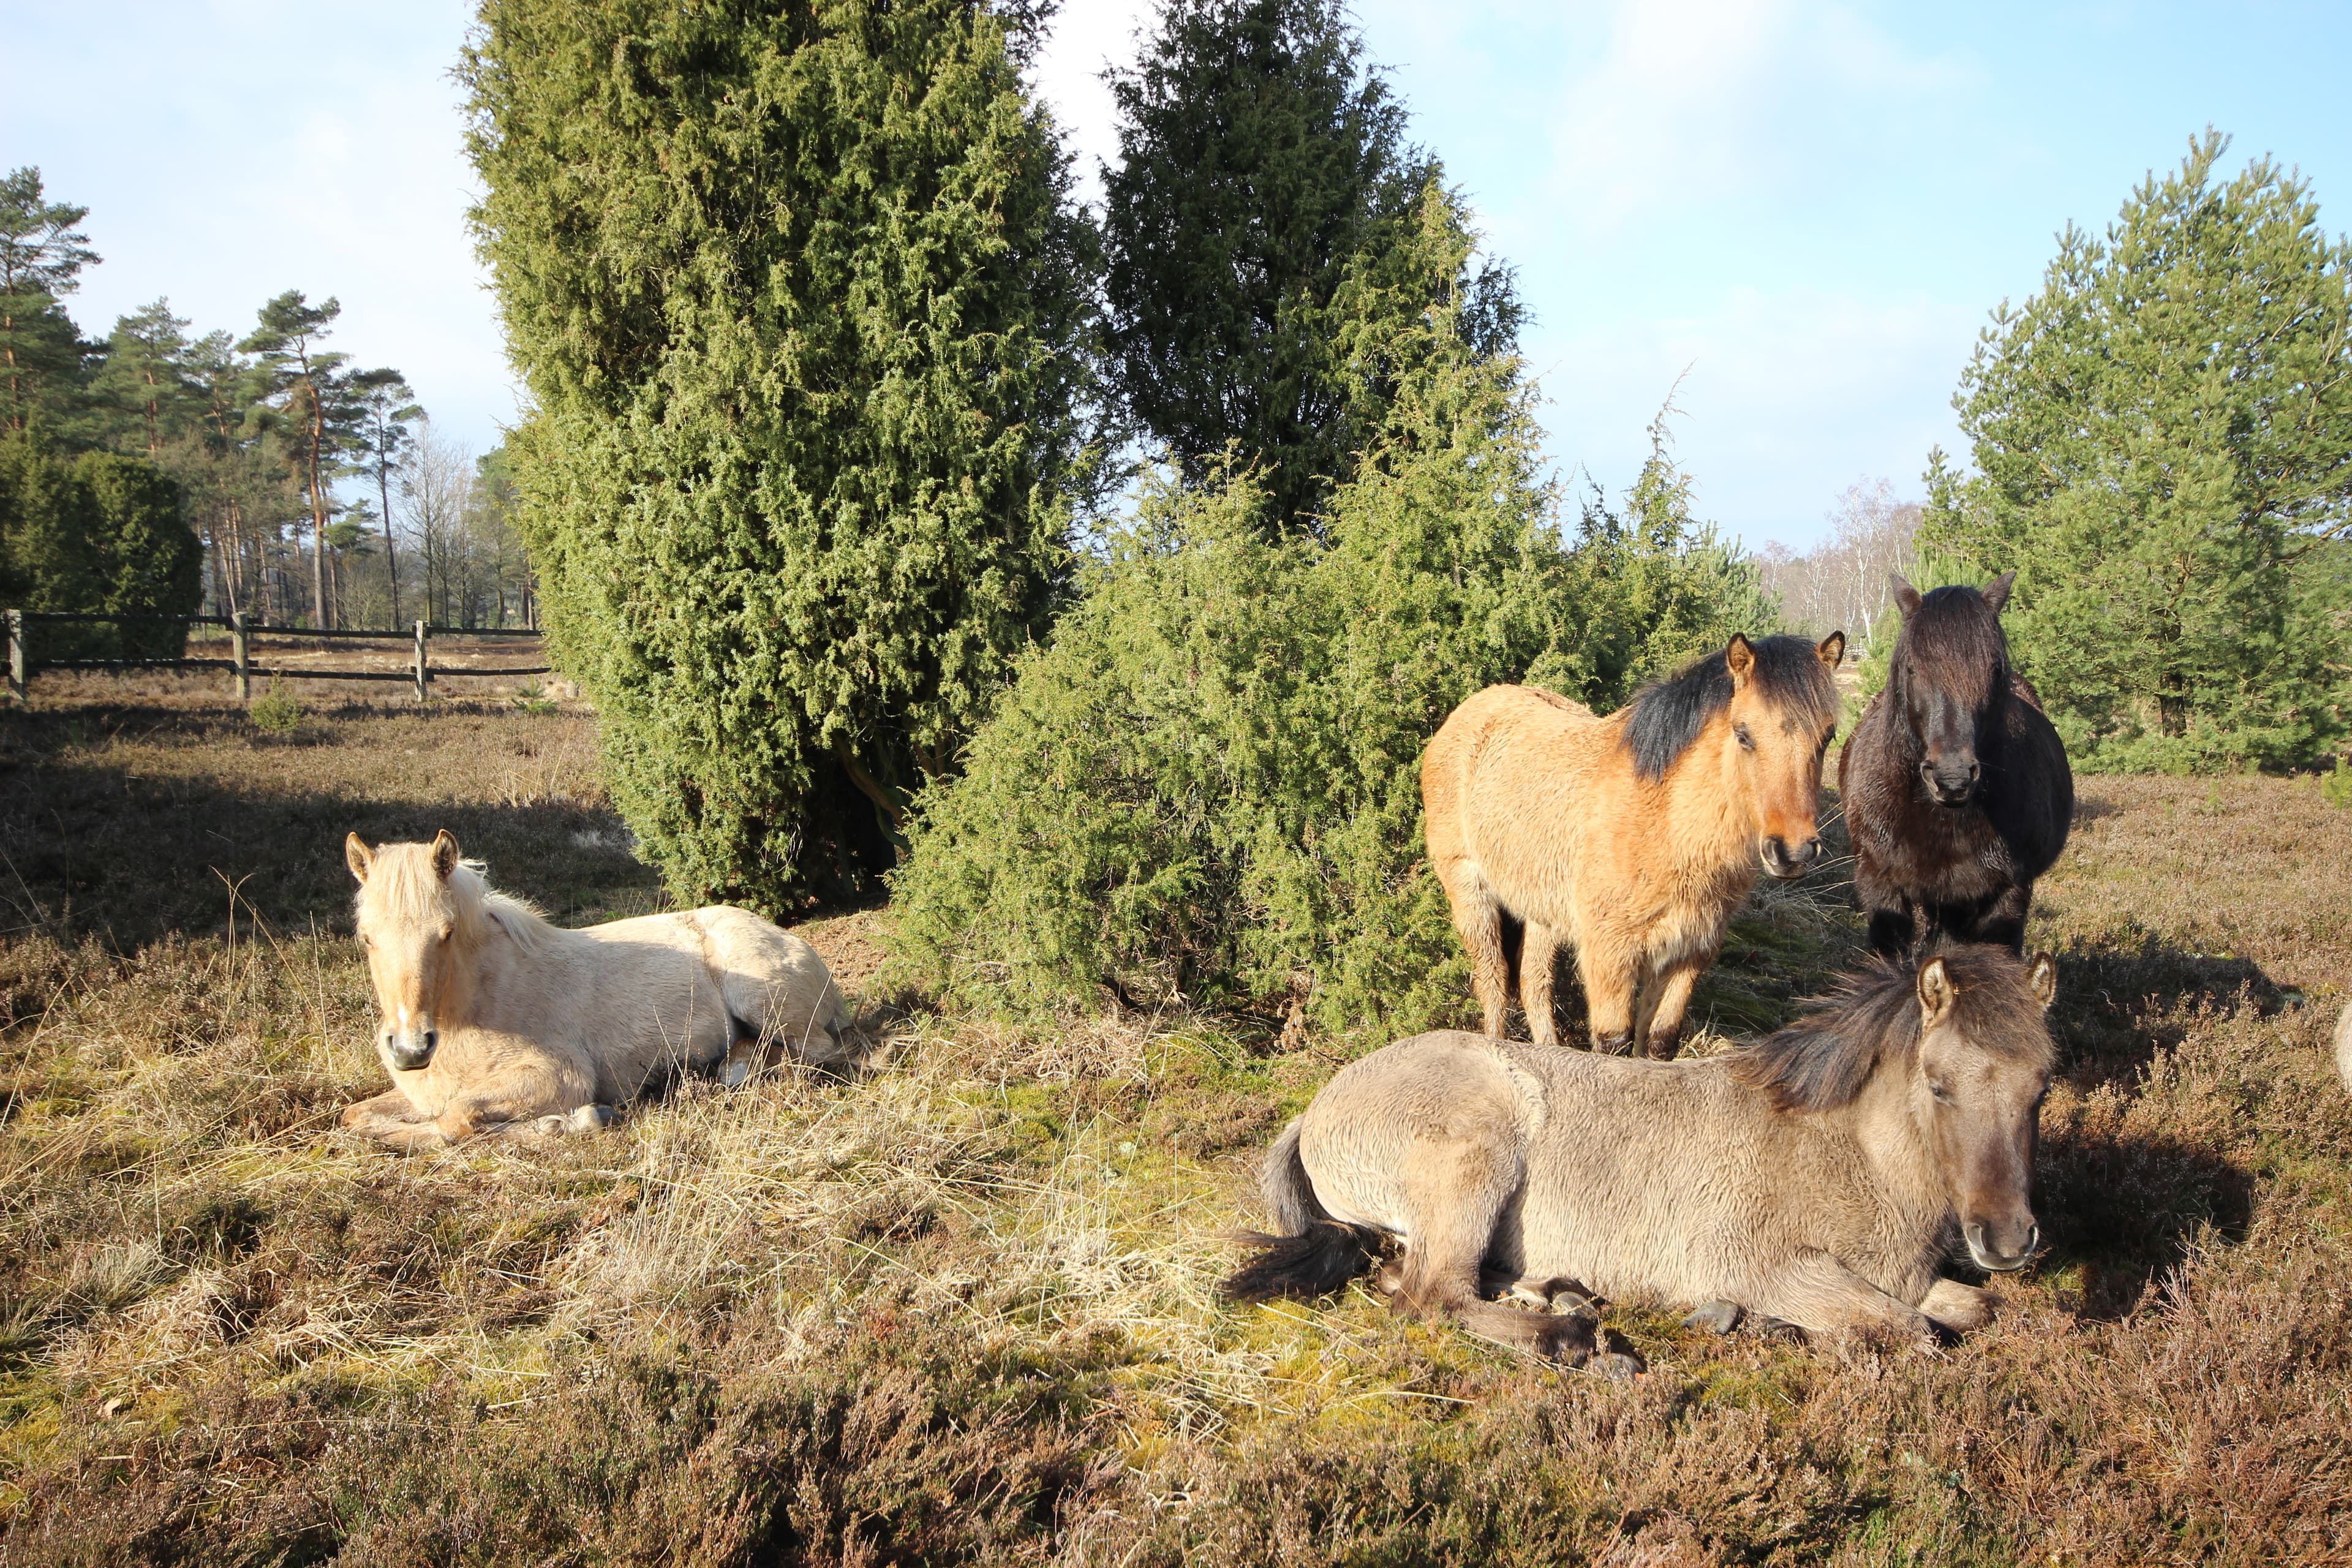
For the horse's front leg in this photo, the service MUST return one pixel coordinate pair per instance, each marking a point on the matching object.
(390, 1118)
(1539, 967)
(1823, 1296)
(1609, 965)
(2002, 918)
(1662, 1030)
(517, 1094)
(1957, 1307)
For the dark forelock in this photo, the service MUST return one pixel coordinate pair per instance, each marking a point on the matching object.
(1669, 714)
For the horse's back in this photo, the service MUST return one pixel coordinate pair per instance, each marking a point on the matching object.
(1497, 753)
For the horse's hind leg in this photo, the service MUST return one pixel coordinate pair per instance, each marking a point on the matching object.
(1458, 1188)
(1478, 916)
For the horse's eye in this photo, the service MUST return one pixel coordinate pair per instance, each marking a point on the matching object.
(1746, 741)
(444, 938)
(1939, 1091)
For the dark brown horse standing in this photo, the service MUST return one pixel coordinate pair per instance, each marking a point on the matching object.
(1957, 789)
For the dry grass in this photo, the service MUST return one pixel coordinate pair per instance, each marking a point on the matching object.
(964, 1311)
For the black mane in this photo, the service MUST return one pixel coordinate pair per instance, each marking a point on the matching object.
(1669, 714)
(1823, 1059)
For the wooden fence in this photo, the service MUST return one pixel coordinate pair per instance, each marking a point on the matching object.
(420, 671)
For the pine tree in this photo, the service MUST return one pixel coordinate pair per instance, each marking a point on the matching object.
(1263, 162)
(2161, 436)
(315, 401)
(801, 303)
(42, 253)
(386, 409)
(141, 381)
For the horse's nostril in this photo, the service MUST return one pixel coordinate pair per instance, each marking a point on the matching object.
(432, 1038)
(1809, 851)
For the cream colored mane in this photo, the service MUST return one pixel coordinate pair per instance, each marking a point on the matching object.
(403, 887)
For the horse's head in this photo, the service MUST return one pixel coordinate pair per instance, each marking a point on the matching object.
(1782, 712)
(1950, 677)
(410, 913)
(1979, 1076)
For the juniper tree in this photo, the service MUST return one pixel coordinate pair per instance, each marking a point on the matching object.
(2162, 440)
(1260, 159)
(800, 304)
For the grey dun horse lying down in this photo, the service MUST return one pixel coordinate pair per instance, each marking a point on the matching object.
(1815, 1176)
(495, 1021)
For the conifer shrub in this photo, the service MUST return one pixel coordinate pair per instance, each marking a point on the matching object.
(802, 307)
(96, 533)
(1207, 789)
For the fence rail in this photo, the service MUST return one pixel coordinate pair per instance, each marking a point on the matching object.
(420, 673)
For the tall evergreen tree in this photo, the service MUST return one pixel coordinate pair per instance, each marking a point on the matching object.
(141, 379)
(802, 305)
(386, 409)
(2161, 436)
(314, 398)
(1260, 158)
(42, 253)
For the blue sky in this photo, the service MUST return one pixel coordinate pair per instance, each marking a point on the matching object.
(1804, 210)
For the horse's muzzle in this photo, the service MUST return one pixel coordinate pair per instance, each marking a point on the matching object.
(1995, 1251)
(1786, 861)
(1951, 786)
(410, 1053)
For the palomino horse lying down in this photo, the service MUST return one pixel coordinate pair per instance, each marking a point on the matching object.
(1814, 1177)
(495, 1021)
(1631, 838)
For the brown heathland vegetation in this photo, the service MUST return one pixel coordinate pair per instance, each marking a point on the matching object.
(964, 1311)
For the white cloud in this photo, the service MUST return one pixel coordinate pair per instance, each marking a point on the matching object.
(1087, 36)
(1692, 101)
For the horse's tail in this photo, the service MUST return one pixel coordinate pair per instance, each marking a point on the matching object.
(1313, 1255)
(1283, 1182)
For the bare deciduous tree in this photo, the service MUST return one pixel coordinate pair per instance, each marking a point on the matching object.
(1841, 584)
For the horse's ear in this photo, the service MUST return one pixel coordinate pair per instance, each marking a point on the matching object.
(445, 853)
(1936, 991)
(1996, 592)
(2044, 978)
(356, 855)
(1907, 597)
(1831, 648)
(1739, 658)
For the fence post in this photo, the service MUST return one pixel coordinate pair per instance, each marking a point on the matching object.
(424, 670)
(239, 656)
(16, 654)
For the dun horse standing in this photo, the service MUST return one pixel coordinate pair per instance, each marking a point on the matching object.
(495, 1021)
(1631, 838)
(1814, 1177)
(1956, 789)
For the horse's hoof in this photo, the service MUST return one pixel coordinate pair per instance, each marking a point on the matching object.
(735, 1074)
(1566, 1338)
(1716, 1318)
(589, 1118)
(1779, 1331)
(1618, 1366)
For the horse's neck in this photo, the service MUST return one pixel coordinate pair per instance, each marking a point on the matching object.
(489, 974)
(1881, 1123)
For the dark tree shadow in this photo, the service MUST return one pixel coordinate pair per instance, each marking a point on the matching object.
(88, 849)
